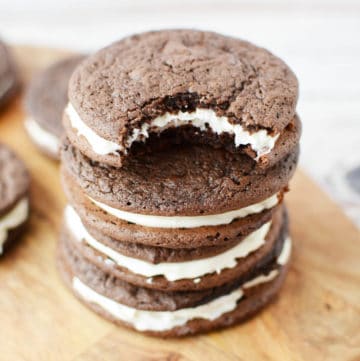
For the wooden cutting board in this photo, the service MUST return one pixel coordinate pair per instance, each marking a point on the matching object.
(317, 316)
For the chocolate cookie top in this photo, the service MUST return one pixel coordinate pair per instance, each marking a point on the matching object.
(46, 96)
(185, 180)
(14, 179)
(8, 75)
(137, 79)
(94, 218)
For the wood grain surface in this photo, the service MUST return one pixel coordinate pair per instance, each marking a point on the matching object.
(316, 317)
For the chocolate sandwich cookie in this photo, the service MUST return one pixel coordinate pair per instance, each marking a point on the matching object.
(188, 85)
(9, 82)
(172, 313)
(45, 100)
(193, 274)
(98, 220)
(14, 196)
(184, 198)
(145, 298)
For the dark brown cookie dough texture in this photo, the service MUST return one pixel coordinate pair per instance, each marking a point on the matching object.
(9, 82)
(46, 98)
(14, 196)
(226, 256)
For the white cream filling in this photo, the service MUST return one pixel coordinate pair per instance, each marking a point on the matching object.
(42, 137)
(172, 271)
(143, 320)
(16, 216)
(98, 144)
(188, 221)
(260, 141)
(261, 279)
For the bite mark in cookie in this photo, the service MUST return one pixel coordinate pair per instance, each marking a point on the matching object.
(260, 141)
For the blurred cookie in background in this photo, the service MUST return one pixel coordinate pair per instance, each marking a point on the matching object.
(9, 82)
(353, 178)
(14, 196)
(45, 100)
(344, 184)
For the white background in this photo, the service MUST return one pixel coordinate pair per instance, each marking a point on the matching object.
(320, 40)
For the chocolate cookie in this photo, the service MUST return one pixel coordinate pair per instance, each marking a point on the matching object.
(14, 197)
(193, 274)
(183, 181)
(208, 182)
(9, 82)
(45, 100)
(98, 221)
(178, 313)
(207, 87)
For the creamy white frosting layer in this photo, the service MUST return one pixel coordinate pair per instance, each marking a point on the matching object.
(172, 271)
(42, 137)
(16, 216)
(188, 221)
(261, 279)
(260, 141)
(166, 320)
(98, 144)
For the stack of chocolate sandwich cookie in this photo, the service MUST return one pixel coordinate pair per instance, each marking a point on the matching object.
(180, 147)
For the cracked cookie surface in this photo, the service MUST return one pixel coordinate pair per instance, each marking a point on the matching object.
(185, 180)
